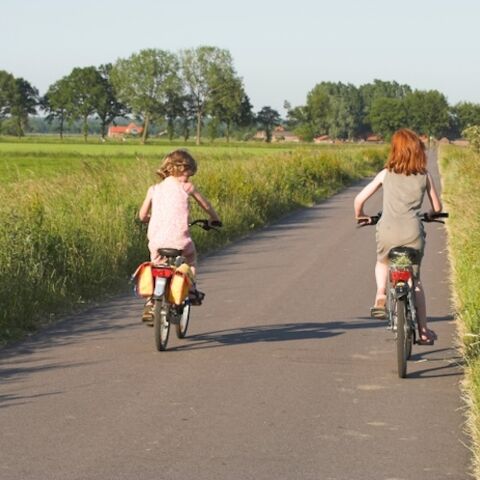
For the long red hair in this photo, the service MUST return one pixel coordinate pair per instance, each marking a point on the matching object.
(407, 153)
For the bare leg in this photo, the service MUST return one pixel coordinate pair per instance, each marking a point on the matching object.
(381, 273)
(422, 311)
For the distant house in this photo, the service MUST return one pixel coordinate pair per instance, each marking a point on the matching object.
(322, 139)
(374, 138)
(279, 134)
(121, 131)
(260, 135)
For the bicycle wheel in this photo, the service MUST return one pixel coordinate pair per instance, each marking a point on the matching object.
(402, 337)
(409, 333)
(161, 324)
(182, 325)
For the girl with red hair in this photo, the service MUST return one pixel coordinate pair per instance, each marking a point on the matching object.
(405, 180)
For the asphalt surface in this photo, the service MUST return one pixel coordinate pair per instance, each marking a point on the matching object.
(283, 374)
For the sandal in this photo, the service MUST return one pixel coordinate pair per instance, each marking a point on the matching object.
(429, 337)
(147, 315)
(195, 297)
(379, 311)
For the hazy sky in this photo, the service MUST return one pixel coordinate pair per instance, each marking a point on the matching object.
(281, 49)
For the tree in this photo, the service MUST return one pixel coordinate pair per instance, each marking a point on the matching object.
(108, 106)
(267, 117)
(467, 114)
(207, 72)
(427, 112)
(226, 101)
(387, 115)
(7, 89)
(299, 120)
(146, 81)
(85, 90)
(244, 116)
(23, 103)
(318, 107)
(56, 102)
(380, 89)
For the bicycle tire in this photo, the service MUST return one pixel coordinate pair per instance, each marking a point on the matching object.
(402, 337)
(161, 325)
(182, 325)
(410, 332)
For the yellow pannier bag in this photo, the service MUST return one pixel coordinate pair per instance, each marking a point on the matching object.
(180, 284)
(143, 280)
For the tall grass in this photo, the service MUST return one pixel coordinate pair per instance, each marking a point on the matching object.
(461, 177)
(73, 236)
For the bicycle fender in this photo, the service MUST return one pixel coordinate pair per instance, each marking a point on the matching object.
(160, 284)
(401, 290)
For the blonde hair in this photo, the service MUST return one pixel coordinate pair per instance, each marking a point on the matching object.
(176, 163)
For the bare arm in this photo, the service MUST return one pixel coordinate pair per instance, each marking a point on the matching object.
(366, 193)
(144, 213)
(433, 195)
(205, 205)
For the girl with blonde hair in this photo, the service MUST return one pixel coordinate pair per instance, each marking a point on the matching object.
(166, 207)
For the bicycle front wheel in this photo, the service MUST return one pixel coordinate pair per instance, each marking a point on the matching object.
(161, 324)
(403, 338)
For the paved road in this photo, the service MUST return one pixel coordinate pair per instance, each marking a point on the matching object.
(283, 376)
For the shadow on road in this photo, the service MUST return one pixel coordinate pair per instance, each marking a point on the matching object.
(272, 333)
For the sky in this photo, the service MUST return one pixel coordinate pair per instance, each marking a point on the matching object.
(281, 49)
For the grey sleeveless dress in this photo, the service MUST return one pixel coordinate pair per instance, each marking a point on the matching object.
(400, 224)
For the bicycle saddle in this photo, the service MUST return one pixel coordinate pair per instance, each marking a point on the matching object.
(169, 252)
(412, 254)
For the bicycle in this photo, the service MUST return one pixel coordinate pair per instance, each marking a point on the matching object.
(165, 311)
(400, 305)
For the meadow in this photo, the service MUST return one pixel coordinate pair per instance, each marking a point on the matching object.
(461, 177)
(68, 211)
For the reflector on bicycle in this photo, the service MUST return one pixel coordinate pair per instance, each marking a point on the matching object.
(162, 272)
(400, 275)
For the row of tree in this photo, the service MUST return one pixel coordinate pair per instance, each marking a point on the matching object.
(184, 89)
(345, 111)
(150, 85)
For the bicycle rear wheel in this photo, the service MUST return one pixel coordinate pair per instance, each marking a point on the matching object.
(161, 324)
(182, 325)
(403, 338)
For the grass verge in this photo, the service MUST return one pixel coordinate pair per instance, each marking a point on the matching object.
(70, 234)
(461, 177)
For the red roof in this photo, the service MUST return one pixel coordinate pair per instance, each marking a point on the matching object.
(118, 129)
(125, 129)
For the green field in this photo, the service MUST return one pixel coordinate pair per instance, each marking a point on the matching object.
(461, 178)
(68, 211)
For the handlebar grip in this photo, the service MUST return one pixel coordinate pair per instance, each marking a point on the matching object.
(216, 223)
(433, 216)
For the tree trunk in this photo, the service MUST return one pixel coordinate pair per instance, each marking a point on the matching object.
(170, 128)
(103, 129)
(85, 128)
(186, 130)
(61, 127)
(199, 126)
(146, 124)
(228, 131)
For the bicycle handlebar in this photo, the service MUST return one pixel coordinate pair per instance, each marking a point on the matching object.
(424, 217)
(206, 224)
